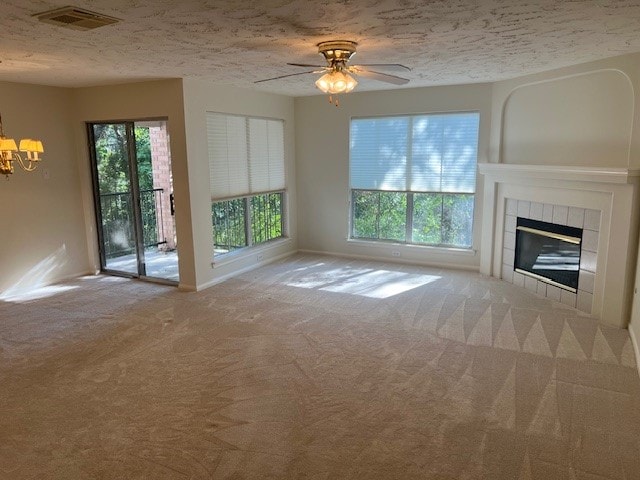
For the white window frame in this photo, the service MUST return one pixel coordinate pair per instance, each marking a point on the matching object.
(247, 152)
(407, 191)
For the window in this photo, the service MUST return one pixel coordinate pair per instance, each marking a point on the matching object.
(413, 178)
(246, 165)
(230, 228)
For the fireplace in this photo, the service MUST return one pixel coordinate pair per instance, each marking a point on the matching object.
(603, 202)
(548, 252)
(557, 250)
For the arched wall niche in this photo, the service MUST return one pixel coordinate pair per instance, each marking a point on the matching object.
(579, 120)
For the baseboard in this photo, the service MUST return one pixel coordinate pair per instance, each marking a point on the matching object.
(246, 269)
(244, 253)
(401, 261)
(634, 342)
(70, 276)
(86, 273)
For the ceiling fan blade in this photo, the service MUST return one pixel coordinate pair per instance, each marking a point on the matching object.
(284, 76)
(389, 66)
(381, 77)
(306, 65)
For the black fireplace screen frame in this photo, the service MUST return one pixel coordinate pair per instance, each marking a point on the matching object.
(548, 252)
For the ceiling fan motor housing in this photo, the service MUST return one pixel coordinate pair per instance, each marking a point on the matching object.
(337, 51)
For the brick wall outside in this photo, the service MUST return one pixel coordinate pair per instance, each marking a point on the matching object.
(161, 165)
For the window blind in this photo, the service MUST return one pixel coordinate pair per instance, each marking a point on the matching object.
(266, 155)
(421, 153)
(246, 155)
(379, 153)
(228, 155)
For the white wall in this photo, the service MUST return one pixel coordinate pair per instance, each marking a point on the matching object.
(42, 236)
(634, 324)
(137, 101)
(322, 156)
(201, 97)
(584, 115)
(584, 119)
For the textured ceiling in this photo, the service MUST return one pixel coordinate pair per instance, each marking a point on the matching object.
(237, 41)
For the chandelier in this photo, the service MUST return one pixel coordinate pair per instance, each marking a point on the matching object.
(9, 153)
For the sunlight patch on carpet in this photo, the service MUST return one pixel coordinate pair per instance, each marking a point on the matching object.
(365, 282)
(37, 293)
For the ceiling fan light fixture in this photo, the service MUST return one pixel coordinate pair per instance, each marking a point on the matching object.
(336, 78)
(336, 82)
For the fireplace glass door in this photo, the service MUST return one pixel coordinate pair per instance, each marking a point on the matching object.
(548, 252)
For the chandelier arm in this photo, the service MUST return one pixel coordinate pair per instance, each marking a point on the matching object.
(27, 168)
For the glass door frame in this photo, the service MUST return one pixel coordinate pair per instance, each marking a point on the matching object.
(132, 163)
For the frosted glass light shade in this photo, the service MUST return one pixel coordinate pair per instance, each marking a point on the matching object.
(336, 82)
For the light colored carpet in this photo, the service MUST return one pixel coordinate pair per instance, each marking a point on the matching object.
(314, 368)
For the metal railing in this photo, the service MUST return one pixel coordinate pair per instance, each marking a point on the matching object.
(246, 221)
(117, 221)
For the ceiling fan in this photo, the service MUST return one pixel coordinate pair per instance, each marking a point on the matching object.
(337, 74)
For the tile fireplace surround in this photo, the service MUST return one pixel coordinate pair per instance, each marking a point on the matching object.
(601, 201)
(586, 219)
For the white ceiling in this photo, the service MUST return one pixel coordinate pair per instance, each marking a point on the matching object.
(239, 41)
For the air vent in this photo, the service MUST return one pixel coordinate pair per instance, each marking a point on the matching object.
(76, 18)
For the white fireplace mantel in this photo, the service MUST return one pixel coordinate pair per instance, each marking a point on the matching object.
(503, 171)
(612, 191)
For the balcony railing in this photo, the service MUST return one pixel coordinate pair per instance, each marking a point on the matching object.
(117, 221)
(246, 221)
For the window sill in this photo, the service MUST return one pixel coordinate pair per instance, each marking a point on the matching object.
(410, 246)
(245, 253)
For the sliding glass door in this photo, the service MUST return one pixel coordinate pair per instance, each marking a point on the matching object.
(134, 199)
